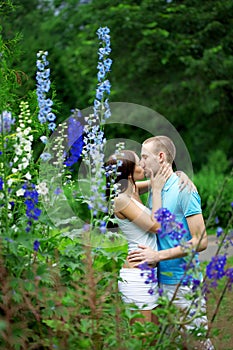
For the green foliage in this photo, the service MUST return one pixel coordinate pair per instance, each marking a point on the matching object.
(173, 57)
(64, 294)
(215, 184)
(49, 309)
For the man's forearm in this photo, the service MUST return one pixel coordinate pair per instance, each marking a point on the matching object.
(197, 244)
(171, 253)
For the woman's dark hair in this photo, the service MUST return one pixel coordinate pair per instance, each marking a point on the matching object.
(119, 167)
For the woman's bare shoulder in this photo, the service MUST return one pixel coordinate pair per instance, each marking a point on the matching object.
(121, 201)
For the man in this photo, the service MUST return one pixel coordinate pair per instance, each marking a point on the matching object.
(186, 207)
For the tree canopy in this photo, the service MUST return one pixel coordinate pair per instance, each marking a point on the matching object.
(172, 56)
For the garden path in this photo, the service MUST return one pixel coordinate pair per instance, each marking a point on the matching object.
(207, 254)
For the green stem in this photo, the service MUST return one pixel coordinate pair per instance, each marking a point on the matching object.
(5, 187)
(217, 307)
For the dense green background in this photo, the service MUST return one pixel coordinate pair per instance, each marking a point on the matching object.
(172, 56)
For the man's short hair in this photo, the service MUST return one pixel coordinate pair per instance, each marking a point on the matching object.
(164, 144)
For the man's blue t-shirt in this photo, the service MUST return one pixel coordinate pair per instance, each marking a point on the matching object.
(181, 204)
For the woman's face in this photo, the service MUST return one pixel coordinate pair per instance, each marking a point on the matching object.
(138, 170)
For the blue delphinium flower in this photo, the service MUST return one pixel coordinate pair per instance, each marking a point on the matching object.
(6, 121)
(94, 140)
(160, 292)
(215, 269)
(43, 87)
(163, 215)
(45, 156)
(103, 228)
(36, 245)
(175, 230)
(151, 275)
(169, 226)
(1, 183)
(219, 231)
(45, 104)
(58, 191)
(75, 138)
(31, 201)
(101, 105)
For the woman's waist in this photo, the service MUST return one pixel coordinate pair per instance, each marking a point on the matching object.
(132, 265)
(133, 244)
(129, 265)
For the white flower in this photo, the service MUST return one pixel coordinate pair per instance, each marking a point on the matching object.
(18, 151)
(10, 182)
(20, 192)
(14, 170)
(44, 139)
(42, 188)
(26, 131)
(27, 148)
(28, 176)
(23, 165)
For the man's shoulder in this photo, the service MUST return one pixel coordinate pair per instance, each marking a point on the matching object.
(172, 183)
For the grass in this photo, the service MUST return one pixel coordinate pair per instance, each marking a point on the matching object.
(221, 330)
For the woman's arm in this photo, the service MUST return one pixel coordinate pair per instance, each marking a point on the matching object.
(184, 181)
(126, 207)
(143, 186)
(157, 183)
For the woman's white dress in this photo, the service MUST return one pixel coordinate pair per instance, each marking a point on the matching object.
(132, 285)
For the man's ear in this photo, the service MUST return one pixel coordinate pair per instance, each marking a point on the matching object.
(162, 157)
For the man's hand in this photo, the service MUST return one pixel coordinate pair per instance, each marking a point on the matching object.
(147, 254)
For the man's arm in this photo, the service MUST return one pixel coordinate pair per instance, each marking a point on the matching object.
(198, 242)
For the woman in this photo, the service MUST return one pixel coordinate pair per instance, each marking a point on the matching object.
(137, 224)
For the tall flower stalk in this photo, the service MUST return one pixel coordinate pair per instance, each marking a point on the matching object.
(45, 116)
(94, 140)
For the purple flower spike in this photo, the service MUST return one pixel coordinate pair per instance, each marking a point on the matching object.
(36, 245)
(75, 138)
(169, 226)
(215, 269)
(43, 87)
(1, 183)
(6, 121)
(219, 231)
